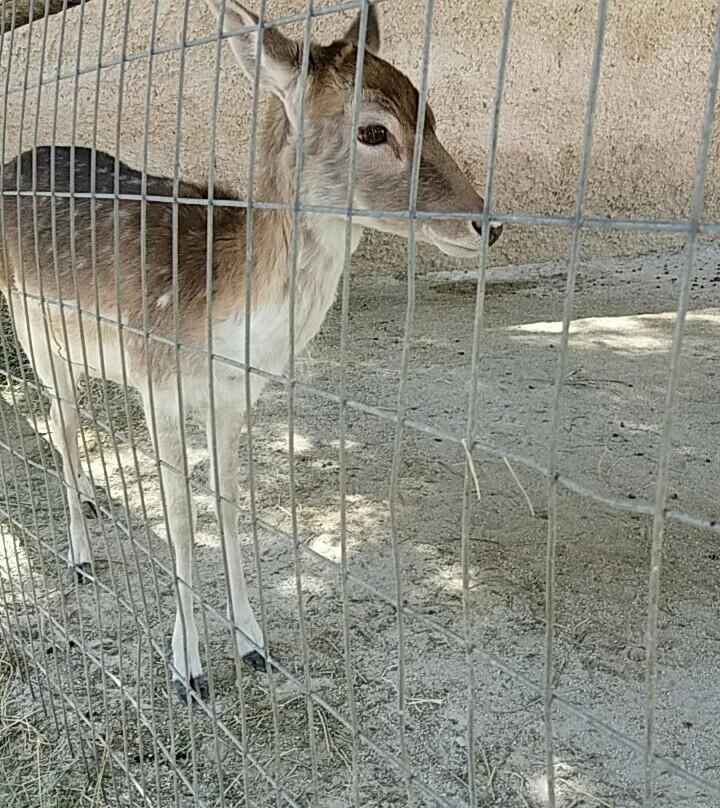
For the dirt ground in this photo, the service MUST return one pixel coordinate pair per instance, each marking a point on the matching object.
(59, 639)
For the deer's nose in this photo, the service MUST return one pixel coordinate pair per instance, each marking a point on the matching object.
(495, 231)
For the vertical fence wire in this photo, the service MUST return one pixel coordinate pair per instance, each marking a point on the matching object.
(401, 406)
(148, 374)
(557, 395)
(665, 454)
(138, 601)
(149, 393)
(247, 385)
(212, 420)
(185, 588)
(294, 269)
(468, 481)
(342, 394)
(117, 239)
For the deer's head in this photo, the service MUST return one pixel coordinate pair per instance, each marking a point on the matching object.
(385, 132)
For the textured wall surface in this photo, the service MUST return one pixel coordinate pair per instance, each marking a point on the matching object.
(649, 110)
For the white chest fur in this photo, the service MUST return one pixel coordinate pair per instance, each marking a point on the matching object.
(319, 269)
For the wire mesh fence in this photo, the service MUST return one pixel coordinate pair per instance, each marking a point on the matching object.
(151, 310)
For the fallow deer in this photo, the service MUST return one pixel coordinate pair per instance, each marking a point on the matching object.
(63, 283)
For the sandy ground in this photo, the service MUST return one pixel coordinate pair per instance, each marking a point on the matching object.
(611, 418)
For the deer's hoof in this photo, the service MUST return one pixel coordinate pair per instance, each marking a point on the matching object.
(80, 573)
(89, 509)
(258, 662)
(197, 686)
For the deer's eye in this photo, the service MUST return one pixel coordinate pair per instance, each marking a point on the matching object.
(372, 135)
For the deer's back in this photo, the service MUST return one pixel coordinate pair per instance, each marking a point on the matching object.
(71, 249)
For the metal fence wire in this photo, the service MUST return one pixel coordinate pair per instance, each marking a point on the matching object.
(374, 684)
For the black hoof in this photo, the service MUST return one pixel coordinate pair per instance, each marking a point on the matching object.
(80, 573)
(89, 509)
(197, 685)
(258, 662)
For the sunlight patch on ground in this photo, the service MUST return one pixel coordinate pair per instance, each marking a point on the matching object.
(13, 559)
(571, 788)
(633, 333)
(302, 445)
(365, 521)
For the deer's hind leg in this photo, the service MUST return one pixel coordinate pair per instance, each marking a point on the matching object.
(53, 371)
(64, 424)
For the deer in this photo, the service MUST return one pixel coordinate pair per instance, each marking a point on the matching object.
(74, 317)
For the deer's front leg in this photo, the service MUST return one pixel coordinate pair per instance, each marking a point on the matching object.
(223, 446)
(166, 430)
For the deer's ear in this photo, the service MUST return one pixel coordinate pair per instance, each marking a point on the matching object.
(279, 56)
(372, 36)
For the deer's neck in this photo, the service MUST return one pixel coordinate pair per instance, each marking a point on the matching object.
(321, 238)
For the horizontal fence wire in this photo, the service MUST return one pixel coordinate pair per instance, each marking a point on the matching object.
(590, 222)
(36, 617)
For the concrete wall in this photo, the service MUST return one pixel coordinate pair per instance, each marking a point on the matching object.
(649, 109)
